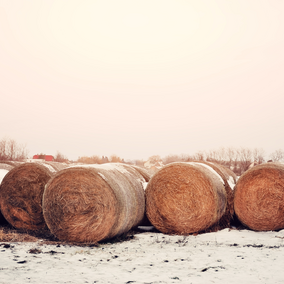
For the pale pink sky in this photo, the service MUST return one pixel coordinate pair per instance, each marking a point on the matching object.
(138, 78)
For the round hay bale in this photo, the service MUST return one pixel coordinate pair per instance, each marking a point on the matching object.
(184, 198)
(87, 204)
(21, 193)
(259, 197)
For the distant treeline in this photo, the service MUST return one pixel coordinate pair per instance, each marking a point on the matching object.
(237, 159)
(10, 150)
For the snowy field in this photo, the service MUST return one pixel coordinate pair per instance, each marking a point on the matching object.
(227, 256)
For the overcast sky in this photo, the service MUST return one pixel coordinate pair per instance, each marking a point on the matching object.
(139, 78)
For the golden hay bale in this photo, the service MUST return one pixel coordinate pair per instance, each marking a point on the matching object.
(184, 198)
(21, 193)
(87, 204)
(259, 197)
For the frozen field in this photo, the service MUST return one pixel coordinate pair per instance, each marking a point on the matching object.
(227, 256)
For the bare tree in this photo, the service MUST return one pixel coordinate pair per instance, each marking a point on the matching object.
(155, 158)
(171, 159)
(12, 151)
(245, 157)
(258, 156)
(60, 158)
(115, 159)
(90, 160)
(139, 163)
(3, 151)
(199, 156)
(277, 156)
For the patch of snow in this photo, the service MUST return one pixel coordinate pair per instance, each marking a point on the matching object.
(231, 182)
(102, 176)
(108, 166)
(49, 167)
(3, 172)
(145, 185)
(209, 168)
(41, 162)
(114, 166)
(226, 256)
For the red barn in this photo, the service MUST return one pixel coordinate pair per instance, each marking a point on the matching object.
(47, 158)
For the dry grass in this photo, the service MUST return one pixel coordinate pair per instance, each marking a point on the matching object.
(8, 234)
(184, 198)
(259, 197)
(89, 204)
(21, 193)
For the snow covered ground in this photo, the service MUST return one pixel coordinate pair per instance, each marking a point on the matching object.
(3, 172)
(227, 256)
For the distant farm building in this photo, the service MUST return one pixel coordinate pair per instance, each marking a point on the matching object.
(47, 158)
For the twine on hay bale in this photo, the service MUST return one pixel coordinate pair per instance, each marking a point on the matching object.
(93, 203)
(21, 193)
(185, 198)
(259, 197)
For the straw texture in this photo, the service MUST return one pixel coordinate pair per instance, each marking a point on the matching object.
(93, 203)
(21, 193)
(185, 198)
(259, 197)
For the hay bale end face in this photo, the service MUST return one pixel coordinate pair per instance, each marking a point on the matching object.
(259, 197)
(21, 193)
(185, 198)
(93, 203)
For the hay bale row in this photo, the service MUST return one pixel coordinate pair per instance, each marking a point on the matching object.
(92, 203)
(78, 204)
(185, 198)
(259, 197)
(89, 204)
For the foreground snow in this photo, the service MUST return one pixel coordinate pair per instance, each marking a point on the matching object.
(228, 256)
